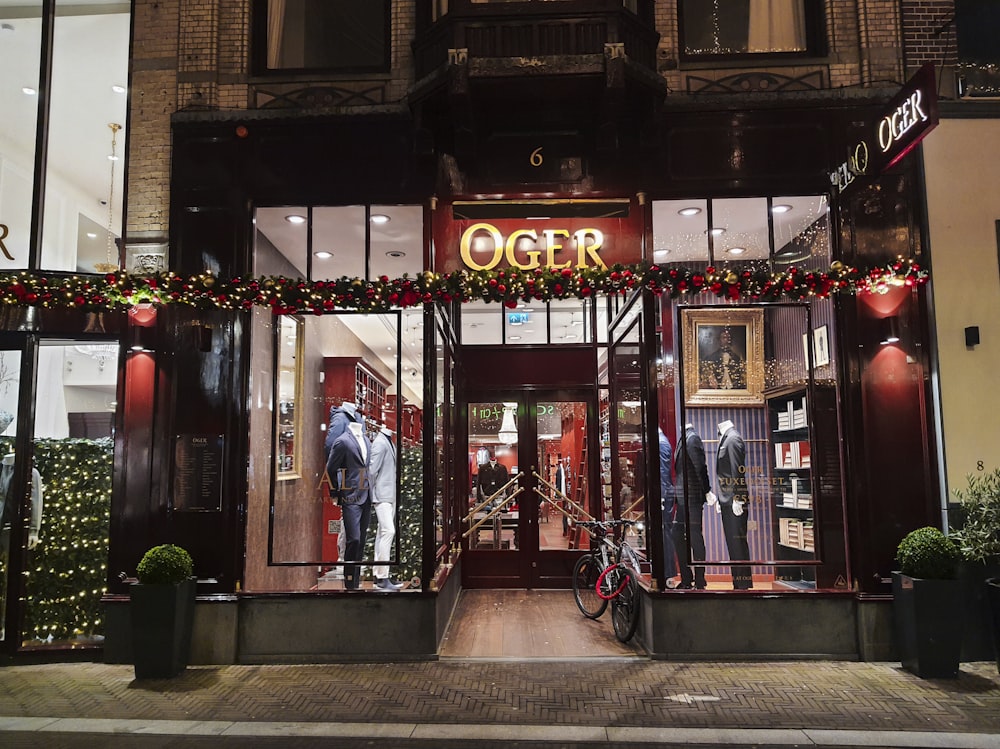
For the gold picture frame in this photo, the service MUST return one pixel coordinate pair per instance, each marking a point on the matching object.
(723, 351)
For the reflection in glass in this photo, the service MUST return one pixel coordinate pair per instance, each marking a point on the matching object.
(289, 386)
(561, 428)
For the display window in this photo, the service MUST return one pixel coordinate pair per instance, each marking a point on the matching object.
(749, 466)
(336, 431)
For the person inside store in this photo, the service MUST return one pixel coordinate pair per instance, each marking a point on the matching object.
(725, 367)
(731, 472)
(693, 491)
(492, 476)
(349, 470)
(668, 506)
(8, 507)
(383, 493)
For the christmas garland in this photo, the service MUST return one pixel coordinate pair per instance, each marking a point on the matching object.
(118, 291)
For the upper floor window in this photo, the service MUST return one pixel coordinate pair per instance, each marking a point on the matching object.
(350, 36)
(711, 28)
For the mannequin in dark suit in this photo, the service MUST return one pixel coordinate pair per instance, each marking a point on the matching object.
(731, 472)
(492, 475)
(348, 469)
(692, 489)
(668, 505)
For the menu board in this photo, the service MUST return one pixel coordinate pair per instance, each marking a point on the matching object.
(198, 472)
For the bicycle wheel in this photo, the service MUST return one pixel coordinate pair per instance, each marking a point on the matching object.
(585, 574)
(625, 610)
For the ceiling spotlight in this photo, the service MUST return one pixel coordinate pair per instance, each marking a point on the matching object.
(395, 253)
(689, 211)
(660, 254)
(118, 88)
(29, 90)
(112, 157)
(323, 255)
(295, 219)
(718, 230)
(91, 235)
(781, 208)
(380, 218)
(736, 250)
(513, 338)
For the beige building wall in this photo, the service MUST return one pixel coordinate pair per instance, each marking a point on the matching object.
(962, 160)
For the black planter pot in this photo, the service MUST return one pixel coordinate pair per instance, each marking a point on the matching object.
(928, 623)
(978, 638)
(993, 598)
(162, 620)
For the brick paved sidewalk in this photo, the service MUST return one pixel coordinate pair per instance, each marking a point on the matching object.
(600, 692)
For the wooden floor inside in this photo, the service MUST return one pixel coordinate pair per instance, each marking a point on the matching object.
(529, 624)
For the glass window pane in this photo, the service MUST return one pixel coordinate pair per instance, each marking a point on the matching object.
(281, 241)
(19, 102)
(801, 232)
(491, 518)
(726, 27)
(482, 323)
(569, 320)
(680, 231)
(67, 502)
(527, 323)
(327, 34)
(739, 231)
(397, 241)
(339, 231)
(86, 142)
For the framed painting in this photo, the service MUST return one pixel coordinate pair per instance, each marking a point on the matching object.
(723, 352)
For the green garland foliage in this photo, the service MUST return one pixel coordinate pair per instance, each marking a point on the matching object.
(67, 571)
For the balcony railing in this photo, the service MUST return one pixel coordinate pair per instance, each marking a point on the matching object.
(532, 29)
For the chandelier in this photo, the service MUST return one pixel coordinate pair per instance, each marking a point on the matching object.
(508, 428)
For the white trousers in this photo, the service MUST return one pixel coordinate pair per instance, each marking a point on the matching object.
(384, 537)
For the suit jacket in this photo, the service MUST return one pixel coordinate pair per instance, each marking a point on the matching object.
(6, 504)
(382, 464)
(491, 477)
(731, 467)
(340, 417)
(666, 470)
(691, 468)
(349, 470)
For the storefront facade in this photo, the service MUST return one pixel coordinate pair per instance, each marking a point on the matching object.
(530, 278)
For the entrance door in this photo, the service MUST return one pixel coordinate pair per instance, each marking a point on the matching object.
(529, 471)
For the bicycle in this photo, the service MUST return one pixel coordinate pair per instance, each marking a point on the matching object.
(608, 574)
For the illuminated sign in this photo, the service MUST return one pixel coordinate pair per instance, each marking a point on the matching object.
(911, 114)
(518, 318)
(3, 236)
(483, 247)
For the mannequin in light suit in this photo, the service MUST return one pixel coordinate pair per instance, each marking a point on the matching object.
(349, 471)
(383, 491)
(731, 472)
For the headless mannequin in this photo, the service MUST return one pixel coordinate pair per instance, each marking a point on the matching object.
(492, 476)
(348, 469)
(693, 492)
(731, 473)
(383, 481)
(668, 504)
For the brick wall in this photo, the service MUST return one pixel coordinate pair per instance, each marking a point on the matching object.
(929, 32)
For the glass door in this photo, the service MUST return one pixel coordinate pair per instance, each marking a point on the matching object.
(529, 474)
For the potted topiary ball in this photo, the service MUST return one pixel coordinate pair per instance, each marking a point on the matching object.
(162, 611)
(926, 604)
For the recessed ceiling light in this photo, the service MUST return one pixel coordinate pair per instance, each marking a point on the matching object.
(660, 253)
(781, 208)
(91, 235)
(716, 231)
(513, 338)
(571, 336)
(112, 157)
(323, 255)
(736, 250)
(689, 211)
(118, 89)
(395, 253)
(295, 219)
(29, 90)
(380, 218)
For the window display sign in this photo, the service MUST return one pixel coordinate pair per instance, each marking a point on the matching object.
(909, 116)
(529, 236)
(198, 472)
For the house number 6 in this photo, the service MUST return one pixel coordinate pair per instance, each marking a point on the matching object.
(536, 157)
